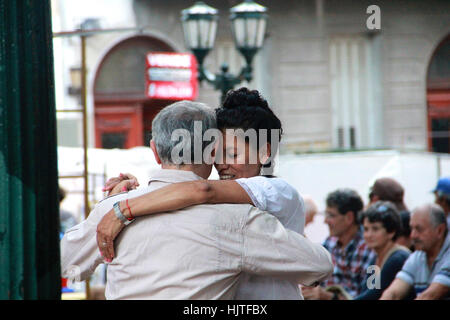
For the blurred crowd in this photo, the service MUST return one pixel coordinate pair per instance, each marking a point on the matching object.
(384, 250)
(381, 250)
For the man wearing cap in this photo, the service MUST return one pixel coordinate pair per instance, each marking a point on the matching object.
(442, 193)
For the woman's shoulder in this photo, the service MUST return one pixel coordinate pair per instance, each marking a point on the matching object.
(273, 181)
(400, 255)
(274, 193)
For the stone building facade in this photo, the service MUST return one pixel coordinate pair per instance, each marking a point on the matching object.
(335, 83)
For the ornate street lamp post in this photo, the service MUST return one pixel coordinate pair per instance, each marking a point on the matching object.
(248, 21)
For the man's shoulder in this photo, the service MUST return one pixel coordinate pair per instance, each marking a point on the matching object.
(330, 242)
(110, 200)
(126, 194)
(221, 216)
(417, 257)
(111, 197)
(230, 211)
(447, 245)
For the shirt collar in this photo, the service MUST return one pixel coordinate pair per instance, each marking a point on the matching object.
(445, 247)
(353, 243)
(173, 176)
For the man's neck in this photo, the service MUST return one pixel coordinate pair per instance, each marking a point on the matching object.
(197, 169)
(348, 236)
(434, 252)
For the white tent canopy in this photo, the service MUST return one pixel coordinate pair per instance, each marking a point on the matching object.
(314, 174)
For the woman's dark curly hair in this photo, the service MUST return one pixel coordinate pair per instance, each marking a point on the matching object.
(386, 213)
(247, 109)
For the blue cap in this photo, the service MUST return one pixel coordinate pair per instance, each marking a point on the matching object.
(443, 186)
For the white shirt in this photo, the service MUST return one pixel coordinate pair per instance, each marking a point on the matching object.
(280, 199)
(194, 253)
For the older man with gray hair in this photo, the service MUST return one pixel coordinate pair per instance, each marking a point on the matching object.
(197, 252)
(427, 270)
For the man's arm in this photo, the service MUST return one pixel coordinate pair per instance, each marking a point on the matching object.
(440, 285)
(435, 291)
(79, 252)
(397, 290)
(272, 250)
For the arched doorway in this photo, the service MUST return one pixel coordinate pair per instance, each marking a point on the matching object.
(123, 113)
(438, 98)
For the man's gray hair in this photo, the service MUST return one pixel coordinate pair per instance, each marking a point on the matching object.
(437, 215)
(181, 115)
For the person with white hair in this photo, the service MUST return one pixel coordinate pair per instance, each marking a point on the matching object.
(427, 270)
(310, 209)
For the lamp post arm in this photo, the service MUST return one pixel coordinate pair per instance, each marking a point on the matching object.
(204, 74)
(224, 80)
(246, 73)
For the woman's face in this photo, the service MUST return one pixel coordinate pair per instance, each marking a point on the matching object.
(375, 235)
(239, 159)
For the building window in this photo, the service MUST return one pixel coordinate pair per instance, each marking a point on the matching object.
(438, 99)
(111, 140)
(356, 92)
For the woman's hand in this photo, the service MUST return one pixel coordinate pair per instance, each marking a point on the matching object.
(107, 230)
(124, 182)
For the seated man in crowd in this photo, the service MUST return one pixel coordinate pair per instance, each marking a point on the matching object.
(427, 270)
(350, 254)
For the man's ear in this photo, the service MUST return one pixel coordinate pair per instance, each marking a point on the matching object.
(440, 229)
(155, 152)
(350, 217)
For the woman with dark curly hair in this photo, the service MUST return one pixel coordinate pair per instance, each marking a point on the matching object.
(241, 181)
(382, 226)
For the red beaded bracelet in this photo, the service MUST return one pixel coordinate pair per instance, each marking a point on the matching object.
(131, 215)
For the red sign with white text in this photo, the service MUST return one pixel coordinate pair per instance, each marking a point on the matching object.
(171, 76)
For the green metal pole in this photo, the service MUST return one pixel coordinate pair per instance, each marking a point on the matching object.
(29, 218)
